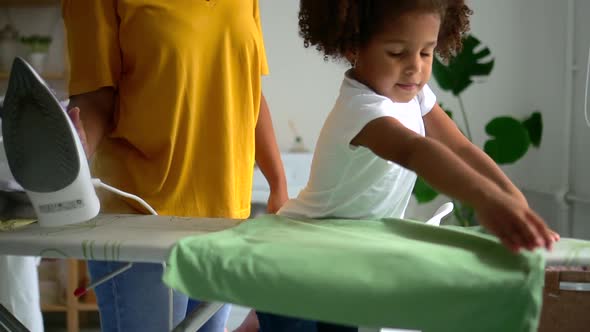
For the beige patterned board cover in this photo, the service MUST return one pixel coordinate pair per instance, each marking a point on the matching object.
(571, 253)
(137, 238)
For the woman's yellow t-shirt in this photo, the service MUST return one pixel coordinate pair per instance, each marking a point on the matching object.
(188, 79)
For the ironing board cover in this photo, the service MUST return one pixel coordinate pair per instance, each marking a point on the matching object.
(388, 273)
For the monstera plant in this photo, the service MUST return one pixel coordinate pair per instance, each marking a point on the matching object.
(509, 138)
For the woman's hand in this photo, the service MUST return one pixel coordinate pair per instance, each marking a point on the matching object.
(97, 118)
(276, 199)
(74, 114)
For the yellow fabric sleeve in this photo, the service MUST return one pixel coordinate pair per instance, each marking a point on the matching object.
(93, 46)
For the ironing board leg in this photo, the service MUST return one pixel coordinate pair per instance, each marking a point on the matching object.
(198, 317)
(9, 323)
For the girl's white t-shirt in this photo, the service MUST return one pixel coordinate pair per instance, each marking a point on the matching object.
(352, 182)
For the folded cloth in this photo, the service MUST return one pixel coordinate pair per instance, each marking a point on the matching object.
(12, 224)
(385, 273)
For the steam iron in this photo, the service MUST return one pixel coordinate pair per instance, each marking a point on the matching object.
(44, 152)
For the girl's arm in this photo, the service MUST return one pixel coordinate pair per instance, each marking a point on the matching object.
(430, 159)
(514, 223)
(269, 160)
(441, 128)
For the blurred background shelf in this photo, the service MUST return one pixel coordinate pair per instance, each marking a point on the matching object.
(58, 279)
(53, 308)
(28, 3)
(21, 23)
(47, 75)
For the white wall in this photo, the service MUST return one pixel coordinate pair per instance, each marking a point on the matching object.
(581, 131)
(528, 41)
(301, 86)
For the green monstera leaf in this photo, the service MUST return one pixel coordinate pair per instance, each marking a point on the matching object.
(510, 140)
(423, 191)
(534, 126)
(456, 76)
(448, 111)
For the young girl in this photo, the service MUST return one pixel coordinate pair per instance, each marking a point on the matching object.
(386, 126)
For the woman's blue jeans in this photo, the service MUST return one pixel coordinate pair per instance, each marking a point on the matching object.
(137, 300)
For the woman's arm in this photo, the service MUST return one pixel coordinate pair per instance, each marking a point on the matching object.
(269, 160)
(441, 128)
(92, 115)
(92, 32)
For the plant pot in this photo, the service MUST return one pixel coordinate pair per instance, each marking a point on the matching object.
(37, 61)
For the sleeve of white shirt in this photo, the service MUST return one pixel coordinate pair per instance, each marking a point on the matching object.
(427, 99)
(361, 110)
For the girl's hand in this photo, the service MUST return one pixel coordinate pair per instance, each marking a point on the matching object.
(514, 223)
(519, 196)
(74, 114)
(554, 235)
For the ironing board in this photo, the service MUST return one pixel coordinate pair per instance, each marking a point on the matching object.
(144, 238)
(128, 238)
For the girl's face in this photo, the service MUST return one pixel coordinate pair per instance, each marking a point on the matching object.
(397, 62)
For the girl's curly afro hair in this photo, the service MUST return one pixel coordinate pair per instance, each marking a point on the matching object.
(335, 27)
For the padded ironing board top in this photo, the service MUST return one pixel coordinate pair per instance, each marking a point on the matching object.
(569, 253)
(138, 238)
